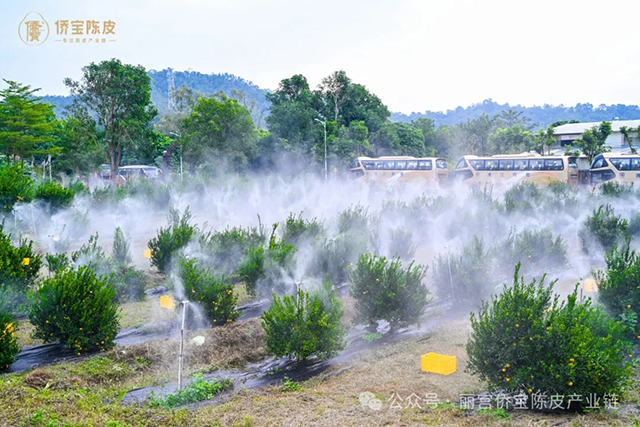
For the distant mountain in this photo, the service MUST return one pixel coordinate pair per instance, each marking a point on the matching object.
(199, 82)
(541, 116)
(204, 83)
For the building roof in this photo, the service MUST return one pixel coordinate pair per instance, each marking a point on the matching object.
(579, 128)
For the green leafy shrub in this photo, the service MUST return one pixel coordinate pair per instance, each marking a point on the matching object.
(619, 287)
(333, 259)
(57, 262)
(534, 250)
(523, 197)
(91, 254)
(616, 189)
(355, 219)
(524, 339)
(298, 230)
(121, 253)
(305, 324)
(171, 239)
(76, 308)
(229, 247)
(289, 385)
(197, 390)
(603, 227)
(252, 269)
(384, 290)
(268, 266)
(78, 187)
(634, 225)
(16, 276)
(15, 186)
(214, 295)
(128, 283)
(466, 278)
(400, 244)
(54, 195)
(9, 348)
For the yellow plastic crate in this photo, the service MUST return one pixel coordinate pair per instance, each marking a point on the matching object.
(439, 363)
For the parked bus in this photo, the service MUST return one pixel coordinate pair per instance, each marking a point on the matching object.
(511, 169)
(139, 171)
(400, 169)
(624, 168)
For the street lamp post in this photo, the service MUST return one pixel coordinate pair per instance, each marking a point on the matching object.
(180, 138)
(324, 123)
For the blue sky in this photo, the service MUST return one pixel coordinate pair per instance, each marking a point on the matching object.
(414, 54)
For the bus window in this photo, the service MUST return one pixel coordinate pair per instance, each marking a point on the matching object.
(368, 165)
(463, 174)
(491, 165)
(441, 164)
(536, 164)
(635, 164)
(599, 162)
(461, 164)
(553, 164)
(356, 173)
(401, 165)
(477, 164)
(621, 164)
(412, 165)
(573, 163)
(598, 177)
(505, 165)
(389, 165)
(424, 165)
(355, 164)
(520, 165)
(379, 165)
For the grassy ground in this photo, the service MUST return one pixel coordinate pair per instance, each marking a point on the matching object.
(87, 393)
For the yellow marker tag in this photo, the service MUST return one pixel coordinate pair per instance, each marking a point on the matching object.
(25, 261)
(147, 253)
(167, 301)
(590, 285)
(335, 170)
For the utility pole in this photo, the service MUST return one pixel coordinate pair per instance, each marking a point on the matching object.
(181, 357)
(324, 123)
(180, 138)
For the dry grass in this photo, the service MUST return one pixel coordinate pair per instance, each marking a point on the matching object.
(134, 314)
(84, 393)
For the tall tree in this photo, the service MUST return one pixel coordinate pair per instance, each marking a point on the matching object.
(509, 118)
(26, 124)
(410, 140)
(335, 88)
(118, 97)
(293, 110)
(592, 142)
(362, 105)
(626, 134)
(477, 133)
(77, 138)
(222, 127)
(428, 128)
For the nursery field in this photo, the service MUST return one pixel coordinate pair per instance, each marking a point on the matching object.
(303, 308)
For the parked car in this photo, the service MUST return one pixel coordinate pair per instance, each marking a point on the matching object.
(139, 171)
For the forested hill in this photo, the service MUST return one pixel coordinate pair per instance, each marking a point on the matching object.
(199, 82)
(207, 84)
(203, 83)
(541, 116)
